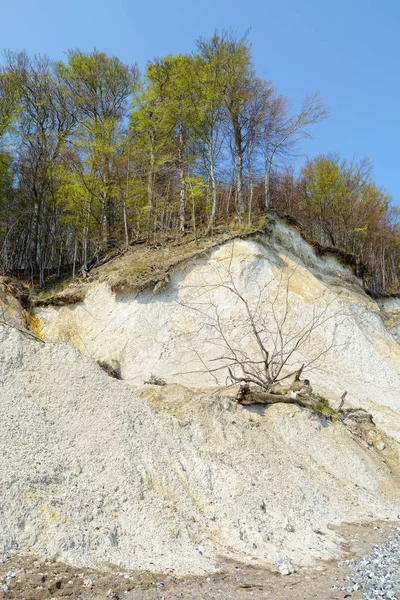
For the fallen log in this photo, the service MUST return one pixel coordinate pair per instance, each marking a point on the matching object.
(246, 397)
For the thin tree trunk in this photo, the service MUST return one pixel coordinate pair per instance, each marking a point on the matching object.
(41, 271)
(126, 230)
(150, 176)
(267, 185)
(86, 236)
(250, 184)
(103, 222)
(239, 183)
(124, 203)
(183, 195)
(59, 262)
(194, 219)
(110, 216)
(108, 213)
(213, 190)
(35, 241)
(75, 256)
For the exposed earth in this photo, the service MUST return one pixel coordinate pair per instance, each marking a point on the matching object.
(39, 579)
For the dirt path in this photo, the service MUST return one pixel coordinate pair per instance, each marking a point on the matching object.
(38, 579)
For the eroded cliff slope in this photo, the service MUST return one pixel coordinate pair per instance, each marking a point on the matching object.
(98, 470)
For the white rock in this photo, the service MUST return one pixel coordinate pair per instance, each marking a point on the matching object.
(286, 567)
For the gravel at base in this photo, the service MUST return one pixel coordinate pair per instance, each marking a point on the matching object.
(377, 574)
(31, 577)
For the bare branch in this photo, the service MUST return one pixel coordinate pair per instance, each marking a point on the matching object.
(267, 335)
(342, 399)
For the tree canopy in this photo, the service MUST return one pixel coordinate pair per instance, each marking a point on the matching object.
(94, 156)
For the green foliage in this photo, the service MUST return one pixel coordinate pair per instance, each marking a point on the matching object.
(99, 85)
(321, 406)
(5, 179)
(9, 99)
(353, 410)
(326, 181)
(342, 195)
(97, 157)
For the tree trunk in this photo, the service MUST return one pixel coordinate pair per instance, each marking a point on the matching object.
(75, 256)
(267, 185)
(110, 218)
(126, 229)
(194, 219)
(214, 192)
(86, 236)
(182, 182)
(108, 237)
(239, 182)
(41, 271)
(124, 205)
(59, 262)
(34, 245)
(251, 187)
(150, 176)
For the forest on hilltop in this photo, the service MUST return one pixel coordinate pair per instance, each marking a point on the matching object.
(94, 155)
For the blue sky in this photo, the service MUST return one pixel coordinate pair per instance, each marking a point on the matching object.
(347, 50)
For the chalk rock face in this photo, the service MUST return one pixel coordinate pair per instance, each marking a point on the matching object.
(91, 472)
(96, 469)
(12, 297)
(170, 334)
(390, 308)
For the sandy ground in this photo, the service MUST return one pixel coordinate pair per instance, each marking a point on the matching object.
(39, 579)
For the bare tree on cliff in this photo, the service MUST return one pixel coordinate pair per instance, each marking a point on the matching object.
(262, 338)
(282, 131)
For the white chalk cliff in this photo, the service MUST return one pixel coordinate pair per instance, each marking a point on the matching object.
(95, 469)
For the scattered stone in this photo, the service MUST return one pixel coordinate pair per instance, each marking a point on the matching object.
(286, 567)
(377, 575)
(268, 534)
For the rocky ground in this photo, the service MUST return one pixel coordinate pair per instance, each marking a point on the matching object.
(34, 578)
(376, 574)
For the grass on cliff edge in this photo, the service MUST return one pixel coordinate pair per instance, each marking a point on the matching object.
(141, 265)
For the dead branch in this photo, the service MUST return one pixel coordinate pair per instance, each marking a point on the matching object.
(8, 321)
(22, 330)
(266, 344)
(299, 372)
(342, 399)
